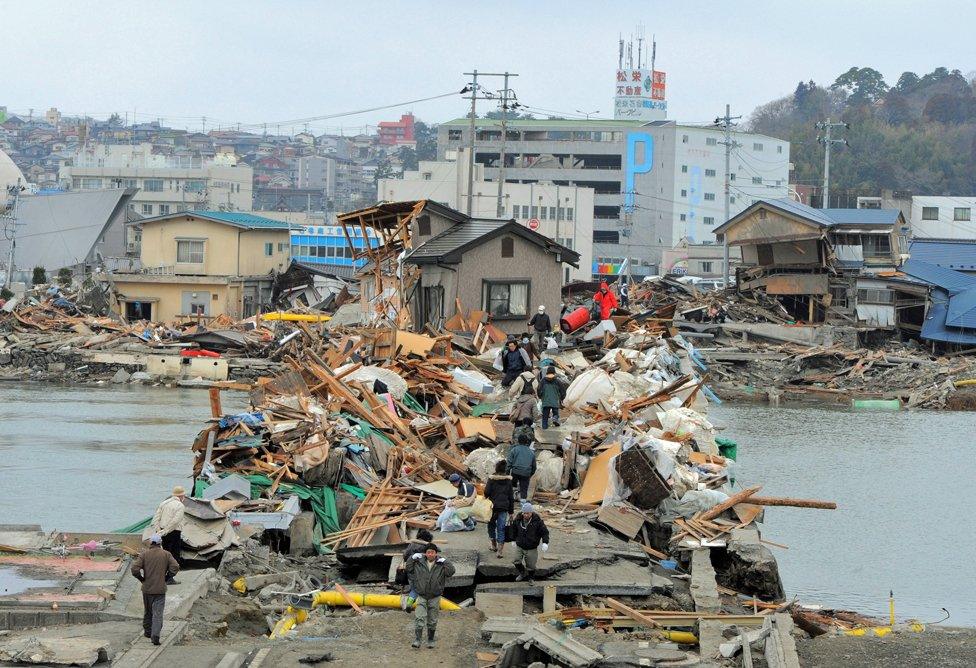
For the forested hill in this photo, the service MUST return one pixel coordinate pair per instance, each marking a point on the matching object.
(918, 135)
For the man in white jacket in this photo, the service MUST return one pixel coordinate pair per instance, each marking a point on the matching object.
(168, 523)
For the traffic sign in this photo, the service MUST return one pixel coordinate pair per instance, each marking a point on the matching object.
(533, 223)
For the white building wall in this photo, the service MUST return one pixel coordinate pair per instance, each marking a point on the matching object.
(955, 217)
(443, 182)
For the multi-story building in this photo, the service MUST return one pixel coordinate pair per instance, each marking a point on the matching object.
(167, 183)
(654, 184)
(397, 133)
(562, 213)
(941, 217)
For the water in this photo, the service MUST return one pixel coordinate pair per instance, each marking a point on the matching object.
(100, 458)
(95, 458)
(903, 485)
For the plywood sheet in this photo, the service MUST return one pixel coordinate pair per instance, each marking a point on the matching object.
(597, 474)
(469, 427)
(416, 344)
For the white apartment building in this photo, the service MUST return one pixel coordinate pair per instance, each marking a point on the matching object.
(943, 217)
(562, 213)
(167, 184)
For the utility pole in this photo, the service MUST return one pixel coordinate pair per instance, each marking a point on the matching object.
(10, 232)
(473, 89)
(505, 92)
(826, 140)
(726, 122)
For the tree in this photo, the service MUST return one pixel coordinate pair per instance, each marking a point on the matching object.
(39, 277)
(64, 277)
(384, 170)
(426, 137)
(863, 85)
(907, 82)
(408, 158)
(945, 108)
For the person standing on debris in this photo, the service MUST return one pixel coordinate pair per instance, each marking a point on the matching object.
(154, 567)
(428, 573)
(416, 546)
(513, 360)
(499, 491)
(606, 300)
(552, 391)
(541, 324)
(530, 534)
(624, 293)
(525, 427)
(521, 463)
(526, 383)
(168, 523)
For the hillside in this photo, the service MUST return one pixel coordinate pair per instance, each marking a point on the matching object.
(918, 135)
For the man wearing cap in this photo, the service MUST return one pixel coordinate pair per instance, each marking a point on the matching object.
(531, 533)
(153, 567)
(541, 324)
(428, 574)
(168, 523)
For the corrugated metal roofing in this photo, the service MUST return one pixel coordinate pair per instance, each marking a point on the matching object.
(822, 217)
(934, 328)
(955, 254)
(862, 216)
(962, 310)
(949, 279)
(797, 209)
(242, 219)
(454, 238)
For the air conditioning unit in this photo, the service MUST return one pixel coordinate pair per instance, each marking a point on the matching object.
(131, 247)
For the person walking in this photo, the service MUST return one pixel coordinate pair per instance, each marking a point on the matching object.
(521, 464)
(606, 300)
(541, 325)
(168, 523)
(512, 360)
(416, 546)
(624, 293)
(531, 534)
(499, 491)
(552, 391)
(428, 574)
(525, 383)
(524, 408)
(153, 568)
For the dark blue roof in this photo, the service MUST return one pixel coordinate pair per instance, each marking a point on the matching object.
(822, 217)
(949, 279)
(863, 216)
(935, 327)
(958, 254)
(951, 315)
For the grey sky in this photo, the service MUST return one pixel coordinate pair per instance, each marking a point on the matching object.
(253, 62)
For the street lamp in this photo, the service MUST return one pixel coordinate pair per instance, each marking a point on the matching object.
(588, 113)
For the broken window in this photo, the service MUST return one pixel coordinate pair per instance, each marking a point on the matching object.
(765, 253)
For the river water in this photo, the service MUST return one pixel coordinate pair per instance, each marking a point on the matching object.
(80, 458)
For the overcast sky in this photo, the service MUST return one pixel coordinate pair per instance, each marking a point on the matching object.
(266, 62)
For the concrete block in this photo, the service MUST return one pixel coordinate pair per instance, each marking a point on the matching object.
(498, 605)
(704, 589)
(710, 638)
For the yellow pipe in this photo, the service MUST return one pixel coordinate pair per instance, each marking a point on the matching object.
(334, 598)
(295, 317)
(680, 637)
(964, 383)
(292, 618)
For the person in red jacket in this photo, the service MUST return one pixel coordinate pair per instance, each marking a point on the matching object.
(606, 299)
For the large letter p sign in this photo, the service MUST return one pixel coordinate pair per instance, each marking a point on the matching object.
(633, 166)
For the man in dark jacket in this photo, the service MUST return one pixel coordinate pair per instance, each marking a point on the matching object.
(531, 534)
(152, 567)
(541, 325)
(416, 546)
(428, 573)
(521, 463)
(552, 391)
(499, 491)
(513, 360)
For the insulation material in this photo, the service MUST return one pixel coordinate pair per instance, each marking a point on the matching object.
(684, 421)
(549, 471)
(590, 387)
(481, 462)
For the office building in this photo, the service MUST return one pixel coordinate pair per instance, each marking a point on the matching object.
(655, 183)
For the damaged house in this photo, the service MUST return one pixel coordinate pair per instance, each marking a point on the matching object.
(833, 266)
(433, 259)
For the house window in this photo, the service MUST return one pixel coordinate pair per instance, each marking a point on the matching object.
(757, 180)
(569, 213)
(147, 209)
(875, 296)
(454, 135)
(152, 185)
(163, 209)
(779, 149)
(427, 176)
(282, 247)
(552, 213)
(731, 200)
(525, 211)
(91, 184)
(682, 217)
(684, 193)
(684, 169)
(930, 213)
(708, 220)
(542, 212)
(711, 141)
(423, 226)
(709, 172)
(706, 267)
(508, 247)
(876, 245)
(268, 249)
(506, 299)
(189, 251)
(684, 139)
(197, 186)
(709, 197)
(535, 211)
(961, 213)
(757, 146)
